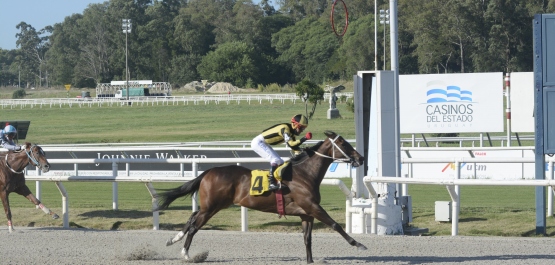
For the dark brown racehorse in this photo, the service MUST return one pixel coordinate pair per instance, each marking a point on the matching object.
(220, 187)
(12, 179)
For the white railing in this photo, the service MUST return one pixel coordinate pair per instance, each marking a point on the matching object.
(151, 101)
(124, 176)
(453, 184)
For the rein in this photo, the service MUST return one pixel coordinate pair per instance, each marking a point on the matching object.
(31, 157)
(334, 145)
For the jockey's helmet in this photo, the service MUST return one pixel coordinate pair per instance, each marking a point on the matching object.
(10, 130)
(299, 120)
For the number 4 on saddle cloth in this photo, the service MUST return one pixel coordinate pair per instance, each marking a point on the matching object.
(260, 182)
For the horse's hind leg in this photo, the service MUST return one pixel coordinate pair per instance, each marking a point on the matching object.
(199, 221)
(182, 233)
(6, 203)
(24, 191)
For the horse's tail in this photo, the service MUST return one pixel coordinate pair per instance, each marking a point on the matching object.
(168, 196)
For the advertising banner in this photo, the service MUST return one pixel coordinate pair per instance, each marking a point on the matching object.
(522, 102)
(451, 103)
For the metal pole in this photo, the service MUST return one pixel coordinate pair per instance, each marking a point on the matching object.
(376, 35)
(126, 70)
(384, 19)
(508, 110)
(384, 58)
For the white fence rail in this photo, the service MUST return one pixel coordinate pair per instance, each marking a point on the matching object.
(205, 99)
(124, 176)
(453, 184)
(116, 175)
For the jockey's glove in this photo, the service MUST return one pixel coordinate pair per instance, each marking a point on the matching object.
(308, 136)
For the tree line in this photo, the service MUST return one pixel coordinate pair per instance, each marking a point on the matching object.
(247, 44)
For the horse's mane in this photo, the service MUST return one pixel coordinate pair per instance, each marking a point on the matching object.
(307, 152)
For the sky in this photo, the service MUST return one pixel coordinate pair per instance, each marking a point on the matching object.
(38, 14)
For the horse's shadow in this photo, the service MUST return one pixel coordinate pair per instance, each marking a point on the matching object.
(117, 214)
(437, 259)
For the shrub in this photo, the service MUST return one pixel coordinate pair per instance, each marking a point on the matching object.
(249, 83)
(350, 105)
(273, 87)
(343, 98)
(288, 88)
(20, 93)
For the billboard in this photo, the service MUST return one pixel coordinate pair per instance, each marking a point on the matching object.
(451, 103)
(522, 102)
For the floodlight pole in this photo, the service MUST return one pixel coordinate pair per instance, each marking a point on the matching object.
(126, 71)
(375, 35)
(384, 19)
(126, 27)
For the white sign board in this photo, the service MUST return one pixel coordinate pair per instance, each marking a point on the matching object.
(469, 170)
(522, 102)
(451, 103)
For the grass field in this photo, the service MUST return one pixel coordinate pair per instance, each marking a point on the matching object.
(497, 211)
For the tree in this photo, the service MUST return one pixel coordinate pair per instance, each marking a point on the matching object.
(357, 51)
(309, 92)
(306, 48)
(33, 49)
(8, 68)
(64, 52)
(231, 62)
(95, 46)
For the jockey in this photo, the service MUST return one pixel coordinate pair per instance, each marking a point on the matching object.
(277, 134)
(6, 138)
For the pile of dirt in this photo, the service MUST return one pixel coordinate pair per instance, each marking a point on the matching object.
(194, 86)
(213, 87)
(222, 87)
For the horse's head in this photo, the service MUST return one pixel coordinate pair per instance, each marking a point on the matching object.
(37, 157)
(342, 150)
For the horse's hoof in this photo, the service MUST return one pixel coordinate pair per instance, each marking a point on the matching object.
(55, 216)
(361, 247)
(169, 242)
(185, 254)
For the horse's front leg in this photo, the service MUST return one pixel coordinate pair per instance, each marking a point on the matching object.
(307, 223)
(6, 203)
(321, 215)
(45, 209)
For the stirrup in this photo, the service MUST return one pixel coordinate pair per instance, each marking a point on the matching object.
(273, 187)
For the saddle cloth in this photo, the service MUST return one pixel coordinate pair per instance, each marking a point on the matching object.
(259, 179)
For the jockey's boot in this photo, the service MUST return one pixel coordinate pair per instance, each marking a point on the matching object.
(273, 183)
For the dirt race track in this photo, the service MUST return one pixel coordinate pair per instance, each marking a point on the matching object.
(81, 246)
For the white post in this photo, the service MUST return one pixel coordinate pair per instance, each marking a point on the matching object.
(114, 186)
(38, 188)
(550, 190)
(508, 110)
(194, 205)
(244, 219)
(155, 214)
(65, 207)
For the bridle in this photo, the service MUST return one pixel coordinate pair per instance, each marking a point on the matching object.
(334, 145)
(31, 156)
